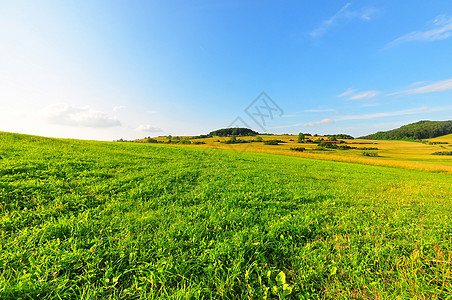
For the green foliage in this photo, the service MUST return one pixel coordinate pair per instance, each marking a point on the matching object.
(278, 286)
(233, 132)
(414, 131)
(273, 142)
(367, 148)
(299, 149)
(301, 137)
(259, 139)
(442, 153)
(234, 140)
(371, 154)
(202, 136)
(334, 146)
(99, 220)
(342, 136)
(150, 140)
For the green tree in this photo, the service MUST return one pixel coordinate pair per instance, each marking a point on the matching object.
(301, 137)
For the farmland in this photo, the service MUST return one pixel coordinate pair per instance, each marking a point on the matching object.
(91, 220)
(400, 154)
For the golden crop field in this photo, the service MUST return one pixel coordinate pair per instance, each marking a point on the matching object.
(401, 154)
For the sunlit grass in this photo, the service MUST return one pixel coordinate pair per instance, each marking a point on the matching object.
(92, 220)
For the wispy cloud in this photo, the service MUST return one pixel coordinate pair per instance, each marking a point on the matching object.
(348, 92)
(352, 94)
(343, 13)
(442, 29)
(384, 114)
(319, 110)
(439, 86)
(116, 108)
(64, 114)
(310, 124)
(412, 111)
(364, 95)
(147, 128)
(324, 121)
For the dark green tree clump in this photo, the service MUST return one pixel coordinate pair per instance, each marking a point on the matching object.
(334, 146)
(301, 137)
(442, 153)
(299, 149)
(414, 131)
(334, 137)
(234, 140)
(273, 142)
(233, 131)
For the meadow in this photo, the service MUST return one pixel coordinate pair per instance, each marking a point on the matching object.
(111, 220)
(399, 154)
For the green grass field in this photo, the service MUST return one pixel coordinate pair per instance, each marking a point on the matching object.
(104, 220)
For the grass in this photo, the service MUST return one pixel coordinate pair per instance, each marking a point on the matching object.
(91, 220)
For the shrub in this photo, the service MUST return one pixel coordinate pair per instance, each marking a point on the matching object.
(442, 153)
(371, 154)
(273, 142)
(334, 146)
(234, 140)
(299, 149)
(367, 148)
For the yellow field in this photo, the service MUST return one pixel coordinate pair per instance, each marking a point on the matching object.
(401, 154)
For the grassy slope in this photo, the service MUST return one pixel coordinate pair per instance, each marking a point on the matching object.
(94, 219)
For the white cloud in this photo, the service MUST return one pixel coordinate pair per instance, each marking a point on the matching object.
(324, 121)
(319, 110)
(116, 108)
(64, 114)
(347, 92)
(439, 86)
(364, 95)
(147, 128)
(442, 29)
(384, 114)
(371, 116)
(343, 13)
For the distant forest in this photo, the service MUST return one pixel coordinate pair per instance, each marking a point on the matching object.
(233, 132)
(414, 131)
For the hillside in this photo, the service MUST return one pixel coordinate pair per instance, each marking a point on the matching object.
(94, 220)
(414, 131)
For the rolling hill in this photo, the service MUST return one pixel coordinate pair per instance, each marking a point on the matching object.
(414, 131)
(94, 220)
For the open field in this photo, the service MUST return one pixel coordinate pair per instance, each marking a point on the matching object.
(91, 220)
(400, 154)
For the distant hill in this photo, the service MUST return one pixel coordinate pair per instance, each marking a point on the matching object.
(414, 131)
(233, 131)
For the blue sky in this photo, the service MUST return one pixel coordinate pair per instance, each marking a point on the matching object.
(127, 69)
